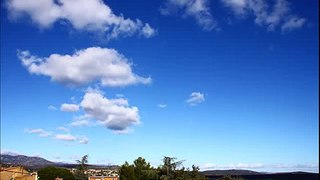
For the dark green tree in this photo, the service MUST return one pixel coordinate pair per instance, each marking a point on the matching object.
(53, 172)
(81, 168)
(143, 170)
(126, 172)
(195, 174)
(169, 166)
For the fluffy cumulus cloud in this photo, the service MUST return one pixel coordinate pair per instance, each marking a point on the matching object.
(93, 15)
(269, 15)
(195, 98)
(115, 114)
(69, 107)
(95, 64)
(39, 131)
(197, 9)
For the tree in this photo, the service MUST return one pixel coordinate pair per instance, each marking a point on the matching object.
(169, 166)
(195, 174)
(139, 170)
(81, 168)
(142, 170)
(53, 172)
(127, 172)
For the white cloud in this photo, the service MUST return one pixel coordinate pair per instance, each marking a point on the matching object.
(65, 137)
(197, 9)
(93, 15)
(148, 31)
(52, 108)
(195, 98)
(83, 140)
(69, 107)
(61, 128)
(79, 123)
(277, 15)
(39, 131)
(272, 167)
(234, 166)
(115, 114)
(83, 120)
(10, 152)
(83, 67)
(238, 6)
(293, 23)
(162, 105)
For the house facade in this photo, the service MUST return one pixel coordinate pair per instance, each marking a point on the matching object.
(17, 173)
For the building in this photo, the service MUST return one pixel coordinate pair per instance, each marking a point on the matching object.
(17, 173)
(103, 178)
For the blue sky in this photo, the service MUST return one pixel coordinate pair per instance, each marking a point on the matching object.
(220, 84)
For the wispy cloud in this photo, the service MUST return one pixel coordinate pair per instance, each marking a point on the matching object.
(52, 108)
(84, 67)
(39, 131)
(71, 138)
(61, 128)
(197, 9)
(65, 137)
(234, 166)
(266, 14)
(69, 107)
(195, 98)
(80, 123)
(83, 120)
(92, 16)
(162, 105)
(293, 23)
(273, 167)
(83, 140)
(10, 152)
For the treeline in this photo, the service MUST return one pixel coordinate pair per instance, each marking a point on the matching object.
(169, 170)
(50, 173)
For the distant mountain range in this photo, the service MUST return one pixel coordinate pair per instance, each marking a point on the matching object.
(26, 161)
(253, 175)
(38, 162)
(236, 172)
